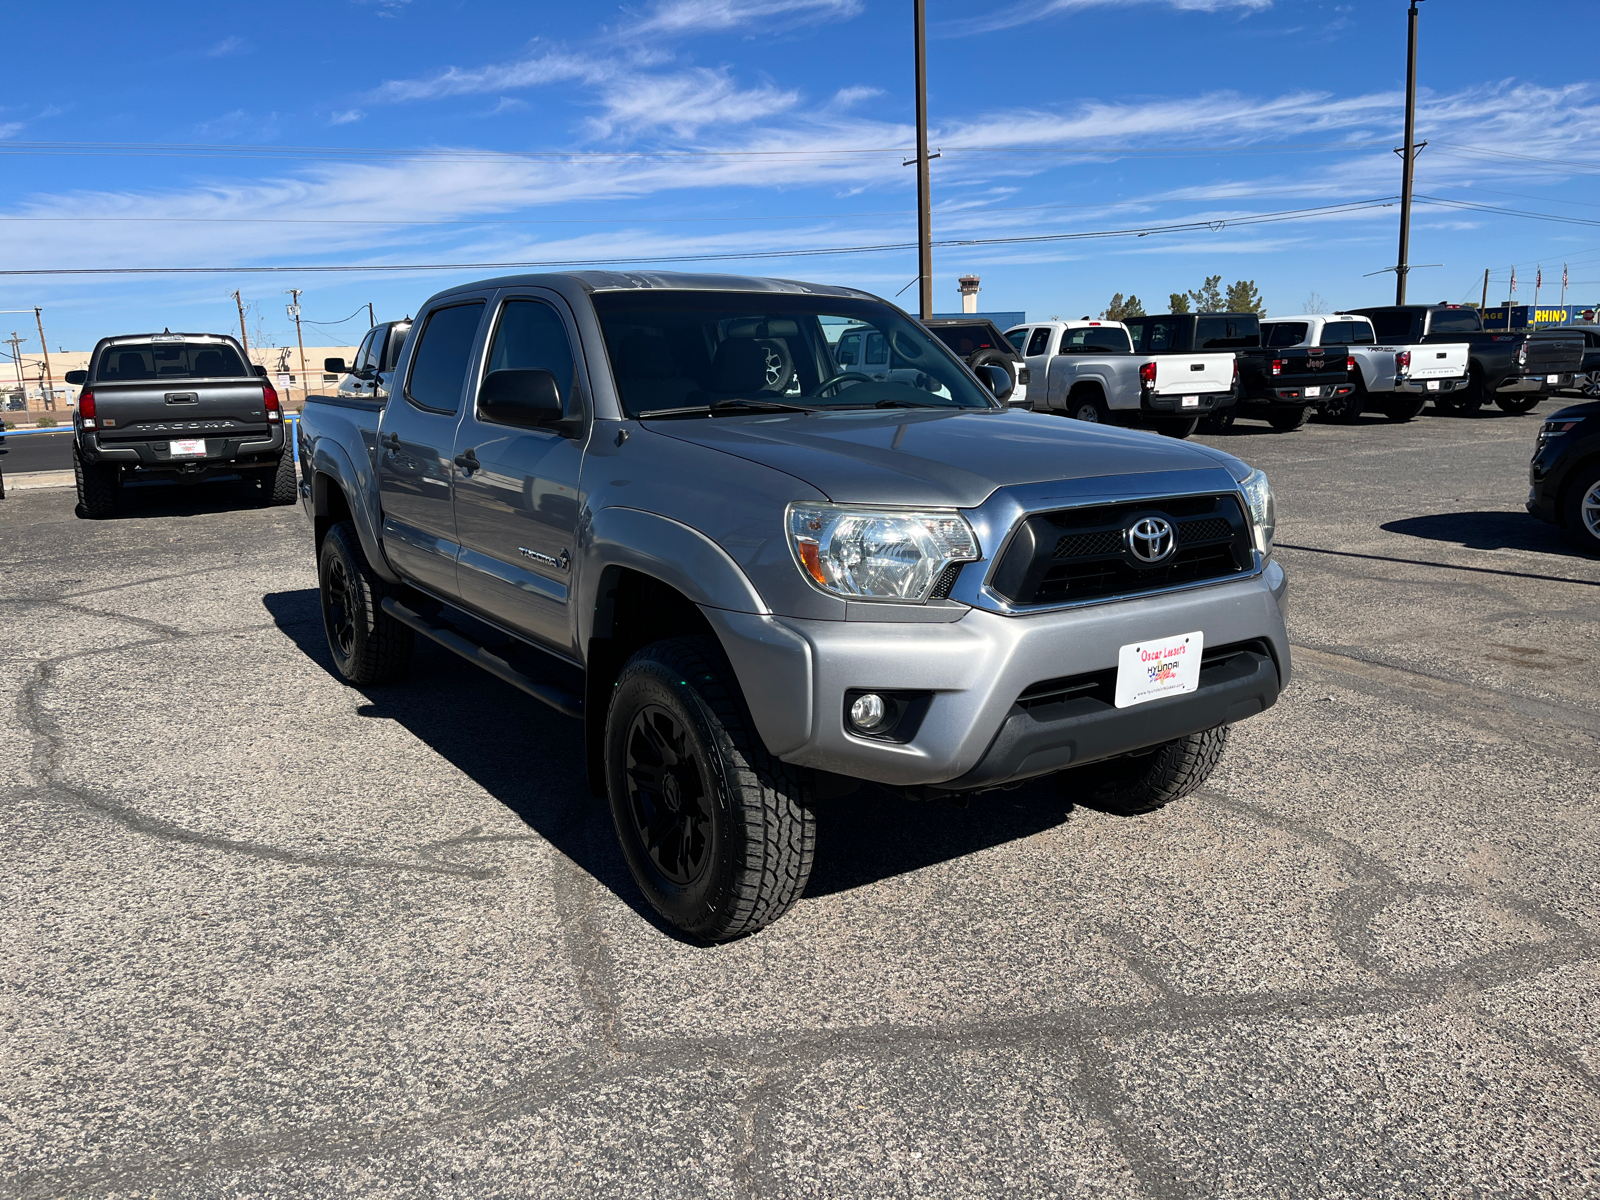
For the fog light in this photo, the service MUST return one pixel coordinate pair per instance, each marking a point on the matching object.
(868, 712)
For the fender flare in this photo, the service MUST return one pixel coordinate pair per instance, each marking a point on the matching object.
(676, 554)
(331, 466)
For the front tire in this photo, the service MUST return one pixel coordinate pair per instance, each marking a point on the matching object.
(1144, 782)
(1581, 510)
(1403, 407)
(1517, 405)
(368, 645)
(1286, 419)
(97, 488)
(716, 832)
(1174, 427)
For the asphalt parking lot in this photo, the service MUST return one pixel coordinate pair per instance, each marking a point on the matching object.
(261, 933)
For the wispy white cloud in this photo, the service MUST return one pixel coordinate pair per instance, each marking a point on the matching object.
(708, 16)
(348, 117)
(10, 129)
(226, 47)
(685, 102)
(537, 71)
(1027, 11)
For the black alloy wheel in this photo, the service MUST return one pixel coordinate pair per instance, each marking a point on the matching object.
(1517, 405)
(1588, 383)
(669, 795)
(367, 644)
(718, 834)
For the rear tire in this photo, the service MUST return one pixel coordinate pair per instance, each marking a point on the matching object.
(716, 832)
(1403, 407)
(1141, 783)
(1580, 514)
(1465, 402)
(1219, 420)
(1089, 406)
(1286, 419)
(282, 486)
(1347, 410)
(97, 488)
(367, 644)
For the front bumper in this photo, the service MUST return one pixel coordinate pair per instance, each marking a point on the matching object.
(222, 453)
(977, 667)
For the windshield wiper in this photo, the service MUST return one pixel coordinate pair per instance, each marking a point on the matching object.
(742, 405)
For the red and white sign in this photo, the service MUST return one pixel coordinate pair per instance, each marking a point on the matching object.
(1164, 667)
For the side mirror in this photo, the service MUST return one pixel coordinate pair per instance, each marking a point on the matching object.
(334, 366)
(998, 380)
(529, 398)
(77, 378)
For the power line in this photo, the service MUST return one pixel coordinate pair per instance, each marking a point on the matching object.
(1215, 225)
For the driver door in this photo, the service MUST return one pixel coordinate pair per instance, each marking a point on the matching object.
(516, 498)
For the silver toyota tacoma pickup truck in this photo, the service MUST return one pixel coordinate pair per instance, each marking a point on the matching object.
(758, 579)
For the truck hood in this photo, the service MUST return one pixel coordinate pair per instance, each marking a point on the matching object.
(939, 458)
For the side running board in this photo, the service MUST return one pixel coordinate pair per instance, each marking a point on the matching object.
(559, 698)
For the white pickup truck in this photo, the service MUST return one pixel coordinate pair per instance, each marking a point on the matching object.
(1089, 370)
(1394, 380)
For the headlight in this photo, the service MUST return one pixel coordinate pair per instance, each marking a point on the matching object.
(877, 554)
(1258, 499)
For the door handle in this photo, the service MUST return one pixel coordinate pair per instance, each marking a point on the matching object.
(390, 441)
(468, 461)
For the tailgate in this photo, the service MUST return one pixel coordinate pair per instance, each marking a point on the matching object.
(1190, 374)
(1554, 353)
(1297, 367)
(1438, 362)
(132, 412)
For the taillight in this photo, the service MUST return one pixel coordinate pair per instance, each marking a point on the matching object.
(1236, 370)
(1277, 366)
(1522, 355)
(269, 397)
(1350, 362)
(1402, 362)
(86, 409)
(1147, 374)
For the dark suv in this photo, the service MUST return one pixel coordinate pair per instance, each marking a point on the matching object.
(1565, 473)
(978, 342)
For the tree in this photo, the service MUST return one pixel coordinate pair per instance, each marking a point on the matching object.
(1209, 297)
(1177, 302)
(1243, 297)
(1120, 309)
(1315, 304)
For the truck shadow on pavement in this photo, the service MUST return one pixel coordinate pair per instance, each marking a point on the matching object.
(1488, 531)
(531, 760)
(160, 498)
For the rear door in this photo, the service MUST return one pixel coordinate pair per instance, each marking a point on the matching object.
(516, 493)
(416, 445)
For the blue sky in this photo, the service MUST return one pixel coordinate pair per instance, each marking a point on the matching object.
(436, 131)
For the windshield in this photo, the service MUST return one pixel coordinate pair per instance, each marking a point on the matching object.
(681, 353)
(169, 360)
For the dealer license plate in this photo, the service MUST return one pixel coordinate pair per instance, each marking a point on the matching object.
(1313, 393)
(187, 448)
(1165, 667)
(1535, 378)
(1433, 385)
(1191, 402)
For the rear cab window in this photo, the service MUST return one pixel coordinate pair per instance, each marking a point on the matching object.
(1096, 339)
(1290, 333)
(1396, 325)
(162, 361)
(969, 339)
(1454, 320)
(1228, 332)
(439, 367)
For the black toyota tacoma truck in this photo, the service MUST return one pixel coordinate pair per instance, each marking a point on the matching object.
(180, 406)
(1280, 386)
(1515, 370)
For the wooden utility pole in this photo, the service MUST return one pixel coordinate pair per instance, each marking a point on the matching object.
(372, 321)
(244, 339)
(1408, 157)
(924, 198)
(1485, 303)
(49, 379)
(294, 311)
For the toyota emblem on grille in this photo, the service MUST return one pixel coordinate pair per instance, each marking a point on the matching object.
(1150, 539)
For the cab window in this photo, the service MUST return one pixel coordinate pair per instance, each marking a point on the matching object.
(1016, 337)
(1040, 341)
(439, 367)
(532, 337)
(1292, 333)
